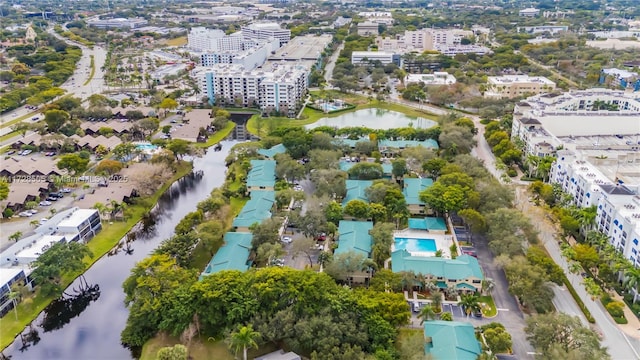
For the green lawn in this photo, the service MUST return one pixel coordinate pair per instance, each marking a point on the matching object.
(237, 204)
(99, 246)
(200, 348)
(8, 136)
(218, 136)
(260, 126)
(490, 309)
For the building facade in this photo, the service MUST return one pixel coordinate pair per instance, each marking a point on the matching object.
(511, 86)
(281, 90)
(264, 31)
(117, 23)
(367, 57)
(367, 28)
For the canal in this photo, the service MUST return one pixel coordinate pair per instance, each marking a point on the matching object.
(86, 322)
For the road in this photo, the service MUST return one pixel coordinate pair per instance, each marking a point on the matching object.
(74, 86)
(620, 345)
(328, 69)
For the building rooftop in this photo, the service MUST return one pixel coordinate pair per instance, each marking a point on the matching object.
(76, 218)
(232, 255)
(257, 209)
(356, 190)
(279, 355)
(452, 340)
(428, 223)
(460, 268)
(262, 173)
(403, 144)
(412, 189)
(354, 236)
(306, 47)
(40, 244)
(7, 274)
(510, 79)
(273, 151)
(623, 74)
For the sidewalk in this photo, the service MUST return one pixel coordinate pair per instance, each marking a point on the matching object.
(546, 228)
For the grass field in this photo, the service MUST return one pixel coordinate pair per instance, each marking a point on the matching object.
(219, 136)
(200, 348)
(179, 41)
(261, 126)
(490, 309)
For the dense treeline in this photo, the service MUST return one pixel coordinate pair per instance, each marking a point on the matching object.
(305, 310)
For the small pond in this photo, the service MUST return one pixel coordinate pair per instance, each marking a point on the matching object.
(374, 119)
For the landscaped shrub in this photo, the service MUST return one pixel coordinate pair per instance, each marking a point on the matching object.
(7, 213)
(616, 308)
(512, 173)
(578, 300)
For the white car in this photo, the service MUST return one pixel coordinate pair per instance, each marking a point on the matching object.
(25, 214)
(43, 220)
(32, 211)
(287, 239)
(45, 203)
(65, 190)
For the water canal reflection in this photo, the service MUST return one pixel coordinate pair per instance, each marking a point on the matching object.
(86, 322)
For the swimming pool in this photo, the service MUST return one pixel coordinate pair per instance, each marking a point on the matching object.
(150, 147)
(416, 245)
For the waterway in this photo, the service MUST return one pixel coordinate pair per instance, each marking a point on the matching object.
(374, 118)
(86, 322)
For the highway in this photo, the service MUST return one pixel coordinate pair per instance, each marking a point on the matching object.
(74, 86)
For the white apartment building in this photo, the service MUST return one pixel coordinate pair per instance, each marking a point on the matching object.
(249, 58)
(366, 57)
(593, 119)
(446, 41)
(267, 30)
(281, 90)
(510, 86)
(203, 39)
(553, 29)
(617, 203)
(378, 17)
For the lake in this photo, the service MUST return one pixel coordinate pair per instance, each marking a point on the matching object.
(374, 118)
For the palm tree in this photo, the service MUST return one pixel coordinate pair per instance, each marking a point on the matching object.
(436, 302)
(632, 281)
(471, 303)
(101, 209)
(487, 285)
(446, 316)
(408, 280)
(244, 338)
(426, 313)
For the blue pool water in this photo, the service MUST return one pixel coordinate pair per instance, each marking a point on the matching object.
(146, 147)
(416, 245)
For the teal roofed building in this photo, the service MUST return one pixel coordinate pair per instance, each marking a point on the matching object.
(233, 255)
(354, 236)
(403, 144)
(346, 165)
(273, 151)
(262, 175)
(428, 224)
(412, 189)
(463, 272)
(451, 340)
(356, 190)
(257, 209)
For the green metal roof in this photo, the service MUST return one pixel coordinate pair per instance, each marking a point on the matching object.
(257, 209)
(412, 189)
(403, 144)
(451, 340)
(273, 151)
(428, 223)
(262, 173)
(460, 268)
(232, 255)
(346, 165)
(356, 190)
(354, 236)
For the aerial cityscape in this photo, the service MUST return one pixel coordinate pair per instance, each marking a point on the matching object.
(339, 180)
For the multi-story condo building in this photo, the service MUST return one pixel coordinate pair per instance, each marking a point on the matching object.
(446, 41)
(281, 90)
(378, 17)
(529, 12)
(615, 196)
(264, 31)
(203, 39)
(621, 79)
(511, 86)
(593, 119)
(249, 58)
(553, 29)
(367, 28)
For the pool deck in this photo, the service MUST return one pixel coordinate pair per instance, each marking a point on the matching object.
(443, 242)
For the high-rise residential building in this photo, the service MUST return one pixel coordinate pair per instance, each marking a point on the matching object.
(203, 39)
(281, 90)
(266, 30)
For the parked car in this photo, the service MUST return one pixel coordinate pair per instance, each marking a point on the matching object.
(11, 152)
(287, 239)
(277, 262)
(103, 183)
(26, 152)
(51, 198)
(43, 220)
(32, 211)
(25, 214)
(322, 237)
(65, 190)
(45, 203)
(58, 195)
